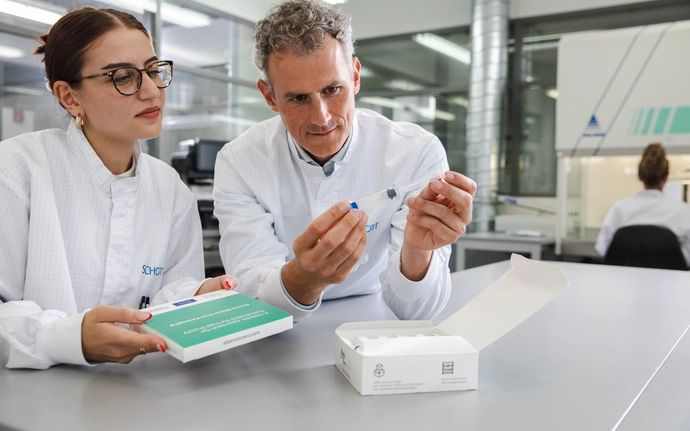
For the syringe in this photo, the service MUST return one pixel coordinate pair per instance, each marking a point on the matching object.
(370, 202)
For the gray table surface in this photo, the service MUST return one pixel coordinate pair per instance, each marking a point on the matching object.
(663, 404)
(577, 364)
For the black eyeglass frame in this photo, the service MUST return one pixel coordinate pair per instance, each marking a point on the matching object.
(112, 73)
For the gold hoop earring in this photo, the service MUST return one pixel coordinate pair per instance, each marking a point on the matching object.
(79, 122)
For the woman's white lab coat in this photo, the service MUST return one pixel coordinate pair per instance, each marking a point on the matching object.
(647, 207)
(73, 237)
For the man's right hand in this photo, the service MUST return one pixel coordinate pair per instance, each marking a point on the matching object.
(325, 252)
(104, 341)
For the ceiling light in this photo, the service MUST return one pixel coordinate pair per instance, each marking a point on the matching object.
(365, 72)
(460, 101)
(250, 100)
(22, 89)
(540, 46)
(444, 46)
(552, 93)
(182, 122)
(543, 37)
(382, 101)
(183, 17)
(169, 13)
(27, 11)
(10, 52)
(402, 84)
(427, 112)
(434, 114)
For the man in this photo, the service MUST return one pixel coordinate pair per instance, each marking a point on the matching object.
(282, 189)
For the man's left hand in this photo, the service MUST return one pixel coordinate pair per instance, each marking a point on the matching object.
(437, 217)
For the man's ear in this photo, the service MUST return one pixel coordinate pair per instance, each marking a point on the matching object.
(68, 98)
(356, 68)
(268, 94)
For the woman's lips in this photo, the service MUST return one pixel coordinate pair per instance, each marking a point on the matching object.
(153, 112)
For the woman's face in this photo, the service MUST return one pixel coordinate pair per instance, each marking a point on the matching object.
(109, 117)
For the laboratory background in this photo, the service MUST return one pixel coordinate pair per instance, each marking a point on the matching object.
(547, 104)
(553, 146)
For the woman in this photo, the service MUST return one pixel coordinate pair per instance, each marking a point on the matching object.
(649, 206)
(89, 224)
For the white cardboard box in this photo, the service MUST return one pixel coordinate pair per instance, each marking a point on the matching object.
(399, 357)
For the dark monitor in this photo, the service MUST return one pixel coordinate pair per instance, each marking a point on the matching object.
(196, 162)
(206, 151)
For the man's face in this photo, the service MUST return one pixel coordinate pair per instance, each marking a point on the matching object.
(315, 96)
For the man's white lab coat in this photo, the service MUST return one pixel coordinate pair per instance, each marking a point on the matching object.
(266, 194)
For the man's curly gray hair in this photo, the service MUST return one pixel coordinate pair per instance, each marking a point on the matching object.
(300, 27)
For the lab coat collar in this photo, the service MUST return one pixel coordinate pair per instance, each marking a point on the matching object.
(93, 165)
(330, 166)
(651, 193)
(352, 141)
(127, 186)
(137, 159)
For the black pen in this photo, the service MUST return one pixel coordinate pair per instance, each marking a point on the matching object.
(142, 304)
(147, 303)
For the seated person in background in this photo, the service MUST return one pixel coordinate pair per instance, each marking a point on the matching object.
(88, 224)
(649, 206)
(281, 189)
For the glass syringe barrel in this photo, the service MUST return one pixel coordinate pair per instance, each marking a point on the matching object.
(420, 183)
(373, 201)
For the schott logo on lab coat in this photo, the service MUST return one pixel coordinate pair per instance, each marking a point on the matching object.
(372, 227)
(152, 270)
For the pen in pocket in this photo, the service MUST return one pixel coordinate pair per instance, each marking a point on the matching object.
(145, 302)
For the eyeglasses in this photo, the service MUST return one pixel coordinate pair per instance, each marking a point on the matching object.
(127, 80)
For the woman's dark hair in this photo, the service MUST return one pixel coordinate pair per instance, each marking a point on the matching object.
(64, 46)
(653, 168)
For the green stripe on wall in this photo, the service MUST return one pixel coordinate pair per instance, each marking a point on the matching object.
(661, 121)
(681, 121)
(648, 121)
(634, 120)
(639, 121)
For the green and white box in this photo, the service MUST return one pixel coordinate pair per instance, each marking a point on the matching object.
(402, 357)
(211, 323)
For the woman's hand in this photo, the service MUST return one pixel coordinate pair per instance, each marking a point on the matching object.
(104, 341)
(221, 282)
